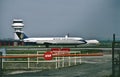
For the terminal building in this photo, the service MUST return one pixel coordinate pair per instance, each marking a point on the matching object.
(10, 43)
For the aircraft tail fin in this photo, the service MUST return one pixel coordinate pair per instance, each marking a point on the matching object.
(21, 35)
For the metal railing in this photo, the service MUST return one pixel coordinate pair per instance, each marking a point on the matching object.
(23, 62)
(37, 61)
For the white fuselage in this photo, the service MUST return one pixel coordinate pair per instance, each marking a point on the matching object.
(92, 41)
(56, 40)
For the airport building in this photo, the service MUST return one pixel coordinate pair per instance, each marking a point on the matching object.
(10, 43)
(17, 25)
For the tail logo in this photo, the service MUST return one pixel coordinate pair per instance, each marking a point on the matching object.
(21, 36)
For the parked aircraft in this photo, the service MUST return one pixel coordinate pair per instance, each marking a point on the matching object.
(51, 40)
(92, 42)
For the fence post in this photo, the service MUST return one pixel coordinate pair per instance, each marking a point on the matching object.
(63, 62)
(69, 61)
(37, 57)
(75, 59)
(80, 58)
(113, 67)
(28, 62)
(1, 64)
(56, 62)
(119, 64)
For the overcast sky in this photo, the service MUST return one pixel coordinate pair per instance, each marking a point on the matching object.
(90, 19)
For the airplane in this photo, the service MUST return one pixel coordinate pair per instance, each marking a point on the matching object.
(51, 40)
(93, 42)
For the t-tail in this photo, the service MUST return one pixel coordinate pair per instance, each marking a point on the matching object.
(21, 35)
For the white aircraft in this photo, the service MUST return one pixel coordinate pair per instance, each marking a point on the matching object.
(92, 42)
(52, 40)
